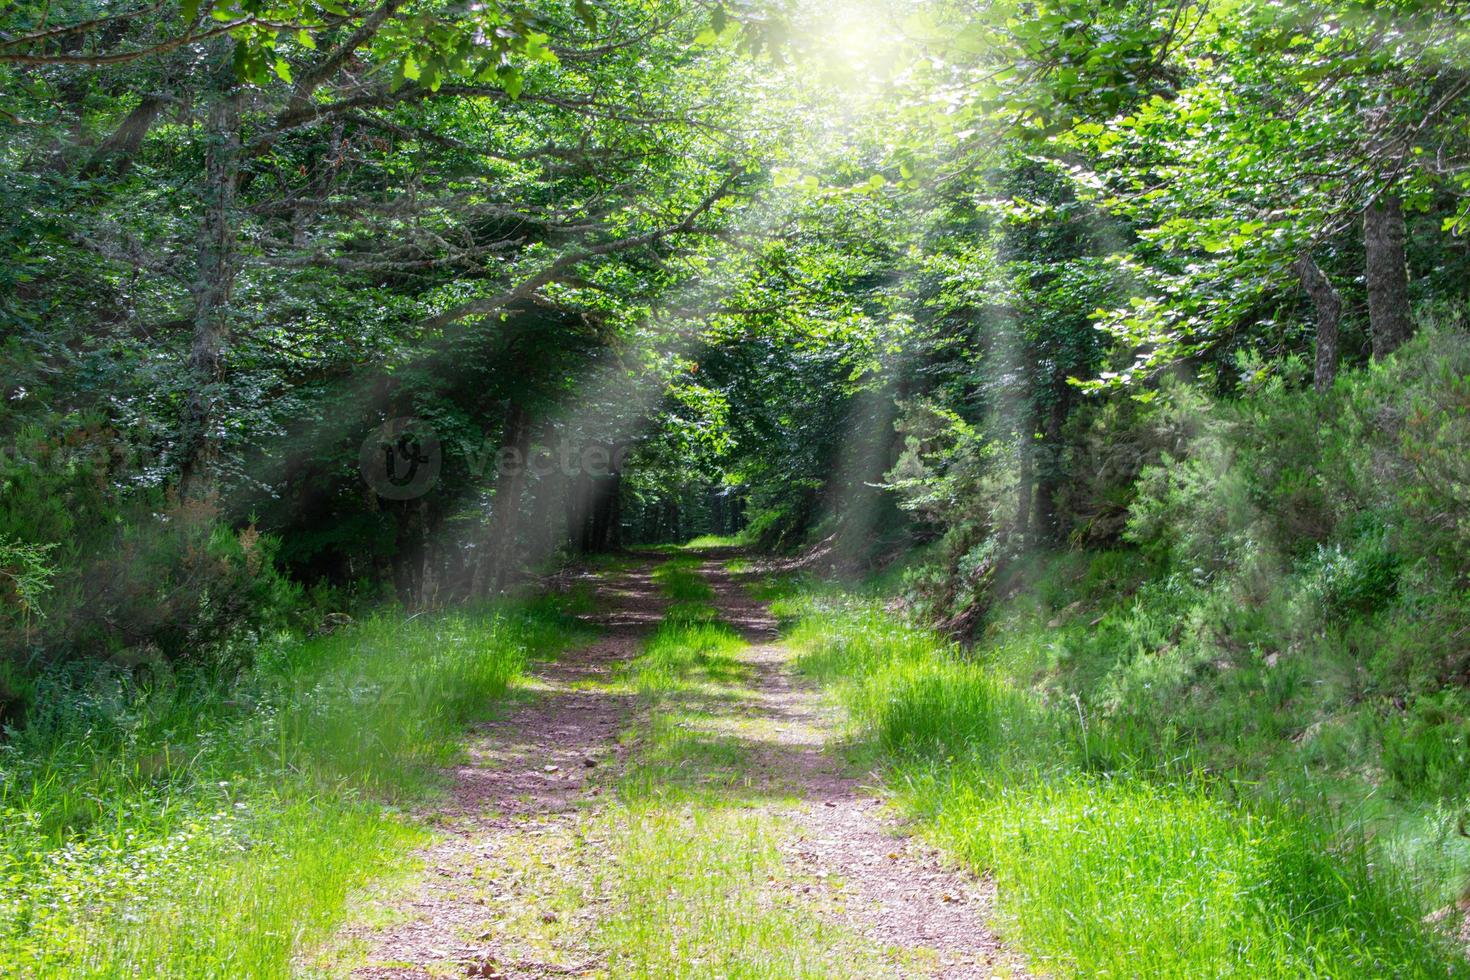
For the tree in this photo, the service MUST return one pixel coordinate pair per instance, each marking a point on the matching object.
(1328, 306)
(1386, 273)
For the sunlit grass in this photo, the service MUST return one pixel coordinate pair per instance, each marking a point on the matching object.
(703, 892)
(1107, 863)
(202, 828)
(699, 887)
(704, 541)
(680, 580)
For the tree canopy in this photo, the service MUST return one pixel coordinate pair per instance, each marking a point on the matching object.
(786, 263)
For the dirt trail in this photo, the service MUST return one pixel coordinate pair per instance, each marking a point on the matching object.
(531, 767)
(899, 892)
(539, 777)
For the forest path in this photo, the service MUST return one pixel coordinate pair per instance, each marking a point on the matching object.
(665, 801)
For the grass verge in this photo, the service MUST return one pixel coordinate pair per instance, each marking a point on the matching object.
(1110, 860)
(195, 826)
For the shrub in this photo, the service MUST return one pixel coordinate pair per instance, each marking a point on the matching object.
(25, 577)
(1353, 580)
(1426, 748)
(120, 572)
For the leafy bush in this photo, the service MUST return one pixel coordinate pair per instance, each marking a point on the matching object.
(1356, 579)
(25, 576)
(1110, 443)
(1195, 511)
(1426, 748)
(180, 588)
(120, 573)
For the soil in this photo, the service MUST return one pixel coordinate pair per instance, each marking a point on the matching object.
(907, 895)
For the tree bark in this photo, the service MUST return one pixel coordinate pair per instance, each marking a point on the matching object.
(1024, 489)
(505, 513)
(579, 497)
(1049, 471)
(217, 266)
(1387, 275)
(603, 514)
(117, 151)
(1328, 305)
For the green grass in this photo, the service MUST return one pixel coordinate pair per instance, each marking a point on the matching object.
(698, 887)
(1111, 857)
(688, 675)
(680, 580)
(703, 892)
(199, 827)
(717, 541)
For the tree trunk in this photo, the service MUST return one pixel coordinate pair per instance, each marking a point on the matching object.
(430, 561)
(118, 150)
(614, 537)
(546, 490)
(603, 514)
(1024, 489)
(1328, 305)
(1050, 471)
(1387, 274)
(579, 499)
(505, 509)
(218, 264)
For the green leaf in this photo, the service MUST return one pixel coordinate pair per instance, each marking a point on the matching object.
(283, 70)
(410, 68)
(304, 38)
(189, 9)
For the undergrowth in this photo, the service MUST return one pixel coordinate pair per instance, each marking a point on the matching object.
(1116, 849)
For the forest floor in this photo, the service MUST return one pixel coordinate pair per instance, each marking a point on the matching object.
(670, 800)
